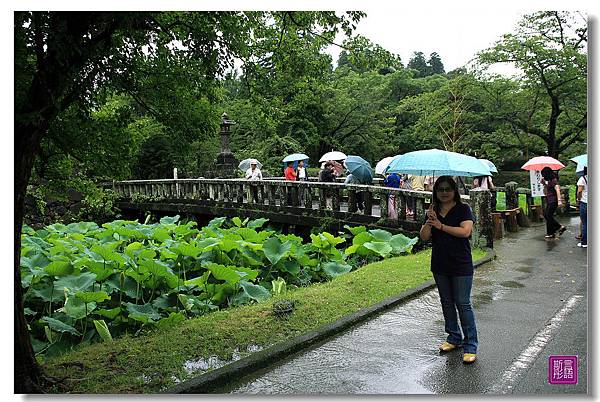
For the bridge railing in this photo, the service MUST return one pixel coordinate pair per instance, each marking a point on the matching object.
(336, 197)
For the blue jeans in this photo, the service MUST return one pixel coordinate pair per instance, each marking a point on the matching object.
(455, 294)
(583, 216)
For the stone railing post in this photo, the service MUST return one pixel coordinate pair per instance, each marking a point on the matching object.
(482, 234)
(512, 198)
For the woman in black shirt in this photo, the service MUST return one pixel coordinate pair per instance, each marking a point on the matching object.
(448, 225)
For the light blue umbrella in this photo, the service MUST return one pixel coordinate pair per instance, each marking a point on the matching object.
(490, 165)
(435, 162)
(581, 161)
(295, 157)
(359, 168)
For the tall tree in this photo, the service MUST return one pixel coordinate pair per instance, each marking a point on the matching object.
(435, 64)
(67, 57)
(419, 63)
(549, 47)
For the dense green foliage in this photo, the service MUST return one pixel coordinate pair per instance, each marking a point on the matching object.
(84, 282)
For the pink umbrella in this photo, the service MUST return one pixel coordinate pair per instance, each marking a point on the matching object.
(540, 162)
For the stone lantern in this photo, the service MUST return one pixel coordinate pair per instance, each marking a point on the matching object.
(226, 163)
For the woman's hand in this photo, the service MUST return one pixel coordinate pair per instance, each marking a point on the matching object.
(432, 219)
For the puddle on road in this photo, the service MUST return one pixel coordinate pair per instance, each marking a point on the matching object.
(527, 269)
(214, 362)
(512, 284)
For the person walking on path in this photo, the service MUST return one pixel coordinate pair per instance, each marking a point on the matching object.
(553, 201)
(449, 224)
(290, 175)
(486, 183)
(582, 193)
(392, 180)
(301, 175)
(254, 174)
(327, 175)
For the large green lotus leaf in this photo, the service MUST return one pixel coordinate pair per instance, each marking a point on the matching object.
(165, 302)
(257, 223)
(381, 235)
(352, 249)
(35, 243)
(111, 314)
(76, 283)
(362, 238)
(138, 276)
(88, 297)
(216, 222)
(219, 291)
(227, 244)
(186, 249)
(131, 248)
(100, 268)
(144, 312)
(130, 233)
(146, 254)
(247, 273)
(37, 345)
(378, 247)
(35, 262)
(248, 234)
(275, 250)
(59, 326)
(291, 266)
(59, 268)
(207, 244)
(356, 229)
(256, 292)
(169, 219)
(291, 238)
(240, 298)
(113, 284)
(57, 228)
(402, 244)
(223, 273)
(161, 234)
(331, 239)
(172, 280)
(49, 293)
(103, 330)
(154, 267)
(317, 240)
(107, 252)
(334, 269)
(82, 227)
(172, 320)
(236, 221)
(77, 309)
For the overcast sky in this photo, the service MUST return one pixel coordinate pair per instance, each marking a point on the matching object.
(456, 35)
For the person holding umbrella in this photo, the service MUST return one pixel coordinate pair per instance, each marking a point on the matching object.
(582, 191)
(449, 224)
(553, 201)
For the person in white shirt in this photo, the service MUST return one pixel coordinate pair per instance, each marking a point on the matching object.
(301, 175)
(253, 174)
(582, 193)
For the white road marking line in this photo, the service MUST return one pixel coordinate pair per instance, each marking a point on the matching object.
(531, 352)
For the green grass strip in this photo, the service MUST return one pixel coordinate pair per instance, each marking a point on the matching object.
(155, 361)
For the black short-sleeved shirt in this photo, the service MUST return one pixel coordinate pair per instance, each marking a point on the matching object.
(451, 255)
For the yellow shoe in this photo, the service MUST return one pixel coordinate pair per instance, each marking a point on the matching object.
(469, 358)
(447, 347)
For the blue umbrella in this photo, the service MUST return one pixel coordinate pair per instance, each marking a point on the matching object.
(359, 168)
(490, 165)
(435, 162)
(295, 157)
(581, 161)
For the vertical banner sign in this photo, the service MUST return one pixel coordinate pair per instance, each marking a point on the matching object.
(537, 188)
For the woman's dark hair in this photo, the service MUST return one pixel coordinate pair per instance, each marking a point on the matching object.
(452, 183)
(547, 173)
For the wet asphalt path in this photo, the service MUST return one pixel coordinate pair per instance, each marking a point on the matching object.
(529, 303)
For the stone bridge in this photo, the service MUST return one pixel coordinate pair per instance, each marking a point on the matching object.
(315, 204)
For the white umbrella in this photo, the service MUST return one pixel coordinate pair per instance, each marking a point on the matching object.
(333, 156)
(383, 164)
(245, 164)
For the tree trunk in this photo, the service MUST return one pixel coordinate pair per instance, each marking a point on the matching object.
(29, 377)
